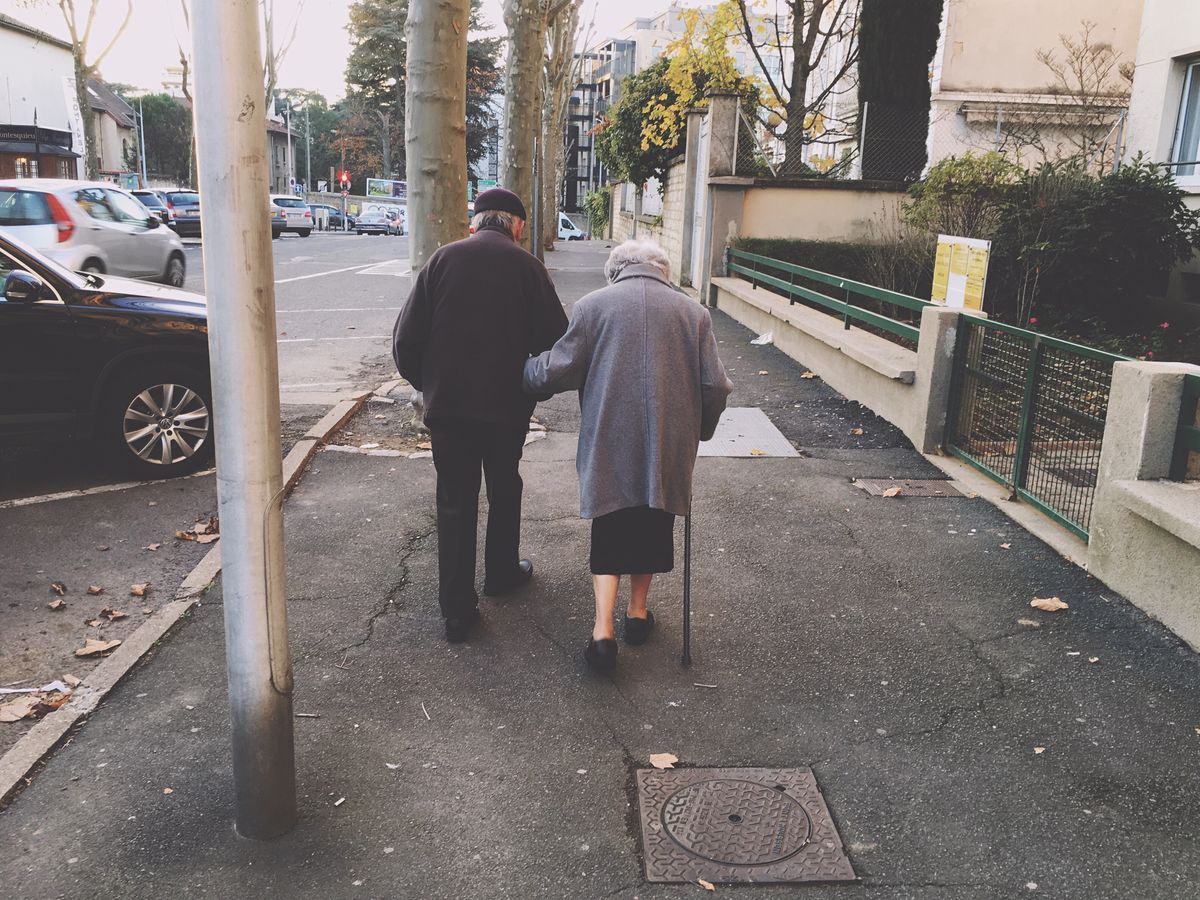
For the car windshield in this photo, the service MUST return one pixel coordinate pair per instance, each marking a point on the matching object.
(291, 202)
(18, 207)
(148, 199)
(184, 198)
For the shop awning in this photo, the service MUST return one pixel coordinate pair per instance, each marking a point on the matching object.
(37, 149)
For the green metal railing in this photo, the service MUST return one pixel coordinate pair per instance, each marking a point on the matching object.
(1187, 437)
(1028, 410)
(763, 270)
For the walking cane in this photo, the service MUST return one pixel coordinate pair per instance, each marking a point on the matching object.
(687, 589)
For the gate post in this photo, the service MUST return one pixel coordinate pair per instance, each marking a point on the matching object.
(1025, 429)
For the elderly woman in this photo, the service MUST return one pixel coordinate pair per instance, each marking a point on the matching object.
(651, 386)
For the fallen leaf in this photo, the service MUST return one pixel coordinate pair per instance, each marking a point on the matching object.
(92, 623)
(1039, 750)
(184, 536)
(856, 431)
(207, 538)
(112, 614)
(1029, 623)
(893, 492)
(57, 604)
(211, 525)
(808, 375)
(91, 647)
(663, 760)
(72, 680)
(58, 587)
(15, 710)
(103, 547)
(425, 445)
(139, 590)
(1047, 604)
(49, 702)
(707, 885)
(147, 610)
(755, 452)
(152, 547)
(95, 590)
(1006, 546)
(763, 372)
(1093, 659)
(168, 790)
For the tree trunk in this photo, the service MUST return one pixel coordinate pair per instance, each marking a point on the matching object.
(526, 24)
(560, 72)
(435, 124)
(797, 109)
(91, 153)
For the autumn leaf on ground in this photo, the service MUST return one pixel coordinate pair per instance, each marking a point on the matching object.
(425, 445)
(184, 536)
(139, 590)
(1048, 604)
(856, 431)
(58, 587)
(57, 604)
(808, 375)
(95, 590)
(72, 681)
(707, 885)
(763, 372)
(112, 614)
(152, 547)
(15, 710)
(893, 492)
(207, 538)
(663, 760)
(211, 525)
(92, 647)
(168, 790)
(754, 451)
(93, 623)
(1039, 750)
(1006, 546)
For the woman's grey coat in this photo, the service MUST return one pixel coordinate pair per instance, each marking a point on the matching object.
(651, 386)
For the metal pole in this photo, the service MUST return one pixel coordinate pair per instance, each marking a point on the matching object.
(291, 169)
(307, 150)
(142, 140)
(687, 589)
(232, 152)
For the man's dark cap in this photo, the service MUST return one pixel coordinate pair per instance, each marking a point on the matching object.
(499, 199)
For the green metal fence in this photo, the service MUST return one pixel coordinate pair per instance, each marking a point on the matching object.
(1028, 410)
(1186, 461)
(795, 282)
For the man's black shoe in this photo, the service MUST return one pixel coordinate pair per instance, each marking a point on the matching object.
(521, 576)
(601, 655)
(459, 627)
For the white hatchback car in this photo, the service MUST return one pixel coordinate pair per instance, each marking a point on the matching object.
(297, 217)
(91, 227)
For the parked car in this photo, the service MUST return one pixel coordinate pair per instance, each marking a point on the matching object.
(119, 364)
(298, 217)
(397, 219)
(335, 215)
(568, 230)
(372, 223)
(156, 202)
(91, 227)
(278, 220)
(186, 206)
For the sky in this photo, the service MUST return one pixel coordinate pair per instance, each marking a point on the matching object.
(317, 60)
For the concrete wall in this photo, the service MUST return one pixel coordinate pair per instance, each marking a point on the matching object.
(1145, 532)
(666, 229)
(1170, 36)
(819, 211)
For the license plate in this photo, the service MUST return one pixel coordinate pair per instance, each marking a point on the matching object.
(190, 212)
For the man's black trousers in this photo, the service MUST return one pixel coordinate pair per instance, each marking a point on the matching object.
(462, 448)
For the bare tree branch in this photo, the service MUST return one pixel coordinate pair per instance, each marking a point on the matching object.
(94, 66)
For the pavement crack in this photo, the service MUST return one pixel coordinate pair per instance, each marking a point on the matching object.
(387, 604)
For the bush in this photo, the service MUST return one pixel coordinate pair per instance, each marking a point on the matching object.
(963, 195)
(598, 204)
(845, 258)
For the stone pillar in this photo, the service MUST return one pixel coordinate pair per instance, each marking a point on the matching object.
(722, 134)
(692, 168)
(935, 368)
(1143, 415)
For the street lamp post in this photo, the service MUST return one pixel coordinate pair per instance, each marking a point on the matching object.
(142, 141)
(232, 153)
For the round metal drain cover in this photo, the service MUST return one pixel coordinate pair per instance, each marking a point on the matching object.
(736, 823)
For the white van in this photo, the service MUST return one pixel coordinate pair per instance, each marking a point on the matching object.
(568, 230)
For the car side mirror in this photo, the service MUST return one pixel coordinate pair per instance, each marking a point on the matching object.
(22, 287)
(152, 222)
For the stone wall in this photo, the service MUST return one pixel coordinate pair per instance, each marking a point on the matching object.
(666, 229)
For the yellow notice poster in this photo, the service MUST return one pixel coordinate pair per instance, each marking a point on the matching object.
(960, 271)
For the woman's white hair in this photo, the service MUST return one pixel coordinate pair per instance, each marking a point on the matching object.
(633, 253)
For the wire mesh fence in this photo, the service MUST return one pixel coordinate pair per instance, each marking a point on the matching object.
(1029, 411)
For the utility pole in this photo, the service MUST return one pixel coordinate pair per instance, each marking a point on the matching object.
(307, 150)
(232, 158)
(142, 141)
(291, 169)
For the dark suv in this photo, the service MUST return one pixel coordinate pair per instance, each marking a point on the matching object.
(120, 363)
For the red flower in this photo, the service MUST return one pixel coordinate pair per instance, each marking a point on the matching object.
(1165, 325)
(1033, 320)
(1149, 354)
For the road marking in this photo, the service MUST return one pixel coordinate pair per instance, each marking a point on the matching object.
(357, 337)
(300, 387)
(343, 309)
(83, 492)
(397, 267)
(322, 274)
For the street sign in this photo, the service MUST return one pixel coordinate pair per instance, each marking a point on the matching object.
(386, 187)
(960, 271)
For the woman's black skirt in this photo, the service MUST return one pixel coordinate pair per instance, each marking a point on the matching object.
(633, 541)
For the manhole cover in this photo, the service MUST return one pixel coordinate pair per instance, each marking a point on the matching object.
(909, 487)
(731, 825)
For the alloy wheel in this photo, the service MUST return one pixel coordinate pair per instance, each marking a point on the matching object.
(166, 424)
(175, 272)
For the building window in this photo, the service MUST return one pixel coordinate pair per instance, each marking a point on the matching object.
(64, 169)
(26, 167)
(1186, 153)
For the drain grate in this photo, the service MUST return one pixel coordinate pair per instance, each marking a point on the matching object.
(738, 825)
(909, 487)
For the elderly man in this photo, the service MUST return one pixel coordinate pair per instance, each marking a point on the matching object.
(478, 309)
(651, 386)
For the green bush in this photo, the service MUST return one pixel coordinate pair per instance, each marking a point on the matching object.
(598, 204)
(845, 258)
(963, 195)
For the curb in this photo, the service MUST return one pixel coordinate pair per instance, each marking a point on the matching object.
(29, 750)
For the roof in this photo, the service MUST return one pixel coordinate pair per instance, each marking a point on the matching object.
(11, 24)
(105, 99)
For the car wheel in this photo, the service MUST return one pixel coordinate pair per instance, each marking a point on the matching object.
(306, 232)
(176, 271)
(275, 234)
(157, 421)
(93, 266)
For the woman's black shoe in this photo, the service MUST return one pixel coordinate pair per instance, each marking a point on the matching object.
(458, 628)
(601, 655)
(637, 630)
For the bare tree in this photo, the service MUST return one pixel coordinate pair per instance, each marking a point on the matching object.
(561, 74)
(87, 65)
(435, 124)
(805, 33)
(274, 53)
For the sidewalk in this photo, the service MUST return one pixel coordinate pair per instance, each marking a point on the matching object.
(888, 643)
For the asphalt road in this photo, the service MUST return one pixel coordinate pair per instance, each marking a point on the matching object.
(336, 295)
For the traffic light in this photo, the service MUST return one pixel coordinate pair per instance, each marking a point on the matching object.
(344, 180)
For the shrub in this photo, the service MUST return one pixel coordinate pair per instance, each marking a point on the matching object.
(598, 204)
(962, 195)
